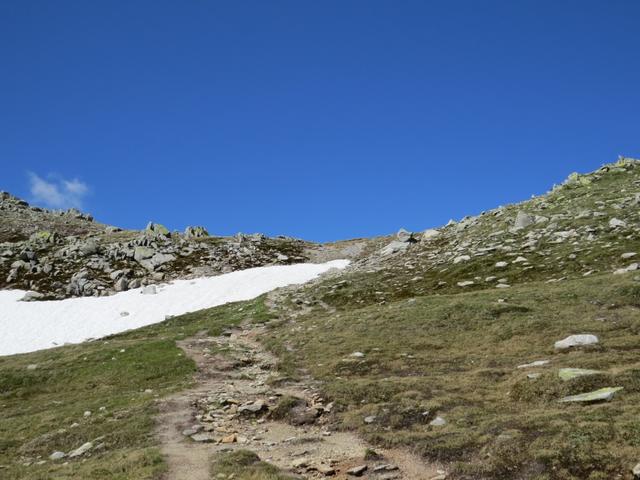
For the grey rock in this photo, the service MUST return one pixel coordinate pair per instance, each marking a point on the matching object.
(90, 247)
(204, 437)
(576, 341)
(357, 471)
(537, 363)
(430, 234)
(142, 253)
(81, 450)
(255, 407)
(438, 422)
(32, 297)
(617, 223)
(121, 285)
(57, 456)
(404, 236)
(601, 395)
(149, 290)
(157, 229)
(196, 232)
(394, 247)
(523, 220)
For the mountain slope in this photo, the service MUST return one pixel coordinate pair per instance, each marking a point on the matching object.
(407, 351)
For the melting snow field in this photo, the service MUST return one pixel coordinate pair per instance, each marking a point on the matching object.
(29, 326)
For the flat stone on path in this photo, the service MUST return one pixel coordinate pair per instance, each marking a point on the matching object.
(203, 438)
(357, 471)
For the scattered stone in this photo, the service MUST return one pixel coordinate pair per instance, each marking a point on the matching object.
(255, 407)
(523, 220)
(57, 456)
(196, 232)
(430, 234)
(32, 297)
(631, 268)
(438, 422)
(204, 437)
(394, 247)
(628, 255)
(571, 373)
(300, 463)
(370, 419)
(192, 430)
(32, 366)
(81, 450)
(466, 283)
(325, 470)
(537, 363)
(461, 258)
(357, 471)
(603, 394)
(357, 355)
(233, 438)
(149, 290)
(617, 223)
(404, 236)
(501, 264)
(636, 471)
(576, 341)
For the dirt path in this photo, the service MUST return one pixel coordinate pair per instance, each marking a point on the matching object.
(229, 409)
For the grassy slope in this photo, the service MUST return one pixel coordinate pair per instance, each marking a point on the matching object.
(456, 356)
(38, 407)
(429, 346)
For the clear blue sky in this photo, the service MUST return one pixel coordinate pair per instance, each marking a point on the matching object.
(319, 119)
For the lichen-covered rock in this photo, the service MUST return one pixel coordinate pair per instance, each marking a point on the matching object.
(601, 395)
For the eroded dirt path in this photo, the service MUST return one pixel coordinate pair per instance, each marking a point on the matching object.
(229, 408)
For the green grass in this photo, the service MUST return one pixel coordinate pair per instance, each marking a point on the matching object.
(456, 355)
(42, 410)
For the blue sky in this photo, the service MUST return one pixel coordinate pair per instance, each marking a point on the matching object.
(323, 120)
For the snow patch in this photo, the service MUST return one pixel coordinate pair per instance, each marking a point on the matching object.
(29, 326)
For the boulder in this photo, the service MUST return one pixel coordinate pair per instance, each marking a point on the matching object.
(157, 229)
(523, 220)
(394, 247)
(142, 253)
(430, 234)
(196, 232)
(576, 341)
(121, 285)
(405, 236)
(90, 247)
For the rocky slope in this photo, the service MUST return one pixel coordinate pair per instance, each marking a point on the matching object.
(58, 254)
(588, 224)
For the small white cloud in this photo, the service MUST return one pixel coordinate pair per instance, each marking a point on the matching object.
(57, 192)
